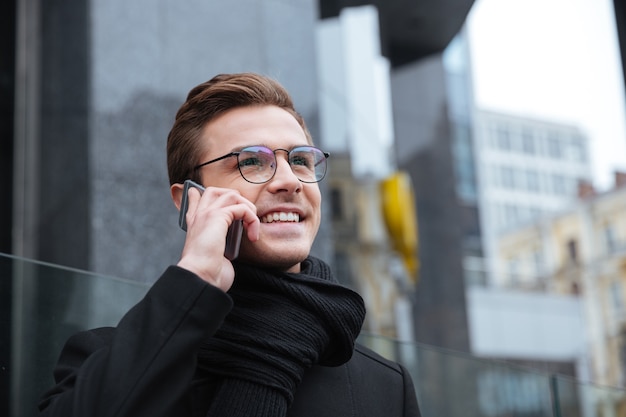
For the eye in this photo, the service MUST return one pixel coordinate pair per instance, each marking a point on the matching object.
(257, 157)
(301, 160)
(250, 160)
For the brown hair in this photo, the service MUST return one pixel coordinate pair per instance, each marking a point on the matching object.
(211, 99)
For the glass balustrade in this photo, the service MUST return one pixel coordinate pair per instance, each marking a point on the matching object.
(41, 305)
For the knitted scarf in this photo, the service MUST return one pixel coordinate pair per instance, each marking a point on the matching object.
(281, 324)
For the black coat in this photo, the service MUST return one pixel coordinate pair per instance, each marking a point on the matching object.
(146, 366)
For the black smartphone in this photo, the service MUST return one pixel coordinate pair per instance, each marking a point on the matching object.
(235, 230)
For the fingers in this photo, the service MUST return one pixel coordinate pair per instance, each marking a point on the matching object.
(208, 217)
(223, 203)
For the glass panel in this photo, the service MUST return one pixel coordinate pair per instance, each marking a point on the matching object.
(456, 384)
(578, 399)
(42, 305)
(48, 304)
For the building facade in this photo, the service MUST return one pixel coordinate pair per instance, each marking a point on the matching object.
(527, 168)
(581, 251)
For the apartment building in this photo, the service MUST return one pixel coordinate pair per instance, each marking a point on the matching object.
(526, 168)
(581, 250)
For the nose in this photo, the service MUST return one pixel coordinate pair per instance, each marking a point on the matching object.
(284, 179)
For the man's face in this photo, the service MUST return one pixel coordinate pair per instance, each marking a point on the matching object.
(282, 244)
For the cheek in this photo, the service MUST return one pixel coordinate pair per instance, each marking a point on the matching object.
(315, 199)
(250, 193)
(233, 181)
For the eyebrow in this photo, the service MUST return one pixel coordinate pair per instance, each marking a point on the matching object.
(290, 147)
(238, 148)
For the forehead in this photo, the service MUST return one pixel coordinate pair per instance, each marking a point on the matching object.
(253, 125)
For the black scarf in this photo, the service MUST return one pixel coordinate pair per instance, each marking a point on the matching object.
(281, 324)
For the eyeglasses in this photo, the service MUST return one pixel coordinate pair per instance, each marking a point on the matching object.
(257, 164)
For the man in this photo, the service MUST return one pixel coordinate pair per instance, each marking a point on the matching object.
(269, 334)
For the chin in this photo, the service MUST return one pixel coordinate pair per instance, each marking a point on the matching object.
(284, 257)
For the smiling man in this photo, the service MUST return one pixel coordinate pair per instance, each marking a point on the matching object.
(278, 196)
(271, 333)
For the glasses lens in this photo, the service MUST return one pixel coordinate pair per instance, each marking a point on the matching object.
(256, 164)
(308, 163)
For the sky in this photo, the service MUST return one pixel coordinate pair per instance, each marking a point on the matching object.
(555, 60)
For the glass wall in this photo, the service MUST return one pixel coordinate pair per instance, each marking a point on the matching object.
(48, 303)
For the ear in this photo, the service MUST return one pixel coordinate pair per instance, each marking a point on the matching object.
(176, 191)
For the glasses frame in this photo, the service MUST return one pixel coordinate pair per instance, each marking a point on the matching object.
(237, 153)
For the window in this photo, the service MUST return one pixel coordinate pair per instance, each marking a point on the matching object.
(554, 147)
(572, 251)
(559, 185)
(572, 186)
(511, 214)
(609, 239)
(504, 139)
(494, 173)
(536, 212)
(514, 275)
(492, 136)
(538, 261)
(336, 204)
(464, 164)
(501, 220)
(508, 179)
(616, 295)
(532, 181)
(525, 214)
(577, 150)
(528, 142)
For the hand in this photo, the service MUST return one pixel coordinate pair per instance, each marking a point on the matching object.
(208, 217)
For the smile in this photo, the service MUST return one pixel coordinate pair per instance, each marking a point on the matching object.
(280, 217)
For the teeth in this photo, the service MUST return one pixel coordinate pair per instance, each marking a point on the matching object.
(281, 217)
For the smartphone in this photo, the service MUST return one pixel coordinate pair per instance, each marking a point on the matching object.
(235, 230)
